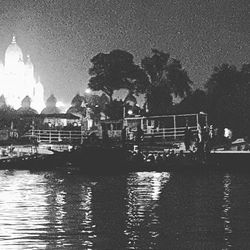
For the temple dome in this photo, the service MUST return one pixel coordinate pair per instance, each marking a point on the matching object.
(77, 101)
(25, 108)
(51, 106)
(13, 53)
(51, 101)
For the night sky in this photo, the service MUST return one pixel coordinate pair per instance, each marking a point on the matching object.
(63, 35)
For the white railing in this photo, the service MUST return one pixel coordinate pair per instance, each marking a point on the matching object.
(51, 136)
(168, 132)
(114, 133)
(164, 133)
(77, 136)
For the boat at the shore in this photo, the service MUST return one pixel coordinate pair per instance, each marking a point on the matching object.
(27, 157)
(33, 161)
(235, 154)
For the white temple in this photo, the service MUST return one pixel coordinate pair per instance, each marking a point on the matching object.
(17, 79)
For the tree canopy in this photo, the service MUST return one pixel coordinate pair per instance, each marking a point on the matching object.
(114, 71)
(167, 78)
(114, 110)
(228, 96)
(194, 103)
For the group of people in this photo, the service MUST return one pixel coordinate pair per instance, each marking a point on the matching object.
(204, 139)
(137, 135)
(200, 142)
(155, 157)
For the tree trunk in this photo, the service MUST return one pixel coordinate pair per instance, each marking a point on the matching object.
(110, 97)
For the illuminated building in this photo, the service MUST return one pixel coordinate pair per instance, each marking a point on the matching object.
(17, 79)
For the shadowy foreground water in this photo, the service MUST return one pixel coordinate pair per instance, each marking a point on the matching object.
(145, 210)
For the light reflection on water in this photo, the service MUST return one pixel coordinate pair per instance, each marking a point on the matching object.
(42, 211)
(144, 210)
(22, 209)
(143, 190)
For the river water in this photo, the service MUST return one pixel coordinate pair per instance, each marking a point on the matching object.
(144, 210)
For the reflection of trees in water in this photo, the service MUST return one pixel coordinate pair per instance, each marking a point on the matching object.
(142, 223)
(226, 207)
(238, 227)
(190, 212)
(69, 212)
(109, 212)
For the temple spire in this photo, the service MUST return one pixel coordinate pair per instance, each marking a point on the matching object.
(13, 38)
(28, 59)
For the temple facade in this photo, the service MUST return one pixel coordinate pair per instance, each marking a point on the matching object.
(17, 79)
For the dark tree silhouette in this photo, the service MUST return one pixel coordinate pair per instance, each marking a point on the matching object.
(76, 107)
(167, 77)
(97, 104)
(77, 100)
(115, 71)
(194, 103)
(114, 110)
(8, 115)
(228, 93)
(224, 80)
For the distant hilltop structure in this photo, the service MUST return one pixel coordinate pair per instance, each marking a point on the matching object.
(17, 79)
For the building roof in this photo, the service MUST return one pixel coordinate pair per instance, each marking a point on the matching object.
(56, 116)
(62, 116)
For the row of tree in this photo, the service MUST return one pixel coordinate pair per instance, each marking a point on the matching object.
(159, 77)
(226, 96)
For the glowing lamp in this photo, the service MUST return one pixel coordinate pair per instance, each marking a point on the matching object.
(130, 112)
(88, 91)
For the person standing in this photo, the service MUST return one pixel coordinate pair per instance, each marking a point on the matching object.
(105, 136)
(187, 138)
(139, 134)
(124, 136)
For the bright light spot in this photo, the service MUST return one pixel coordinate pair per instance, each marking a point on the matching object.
(227, 133)
(60, 104)
(130, 112)
(63, 107)
(88, 91)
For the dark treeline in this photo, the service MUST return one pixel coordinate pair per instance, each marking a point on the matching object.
(225, 97)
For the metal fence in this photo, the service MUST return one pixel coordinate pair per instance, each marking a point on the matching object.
(163, 133)
(157, 128)
(55, 136)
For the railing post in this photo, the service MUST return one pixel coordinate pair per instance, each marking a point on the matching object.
(81, 137)
(197, 121)
(174, 127)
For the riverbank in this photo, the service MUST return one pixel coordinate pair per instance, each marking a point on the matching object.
(103, 158)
